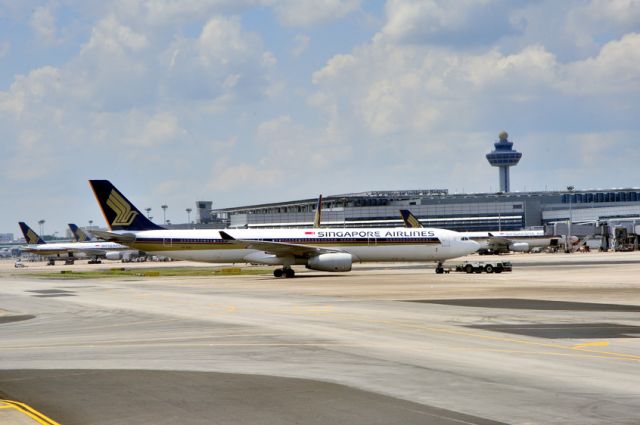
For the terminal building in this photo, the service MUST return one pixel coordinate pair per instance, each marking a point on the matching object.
(438, 208)
(504, 210)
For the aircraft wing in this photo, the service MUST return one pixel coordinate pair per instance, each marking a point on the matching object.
(123, 238)
(278, 248)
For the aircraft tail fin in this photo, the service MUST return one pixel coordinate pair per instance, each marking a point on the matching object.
(30, 236)
(80, 235)
(119, 213)
(318, 216)
(410, 220)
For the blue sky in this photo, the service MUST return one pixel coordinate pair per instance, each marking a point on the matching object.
(251, 101)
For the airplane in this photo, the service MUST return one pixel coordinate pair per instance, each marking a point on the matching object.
(68, 251)
(498, 242)
(124, 254)
(332, 250)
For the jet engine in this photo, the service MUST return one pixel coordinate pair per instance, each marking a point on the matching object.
(519, 247)
(114, 255)
(331, 262)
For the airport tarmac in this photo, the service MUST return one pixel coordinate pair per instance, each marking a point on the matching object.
(553, 342)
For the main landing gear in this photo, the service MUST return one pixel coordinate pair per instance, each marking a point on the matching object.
(285, 271)
(439, 268)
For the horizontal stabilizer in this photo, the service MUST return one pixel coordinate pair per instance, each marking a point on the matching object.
(115, 237)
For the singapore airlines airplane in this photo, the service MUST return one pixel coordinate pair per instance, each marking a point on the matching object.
(123, 252)
(499, 242)
(69, 251)
(332, 250)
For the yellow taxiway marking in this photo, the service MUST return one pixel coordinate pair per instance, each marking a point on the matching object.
(584, 349)
(29, 411)
(603, 354)
(591, 344)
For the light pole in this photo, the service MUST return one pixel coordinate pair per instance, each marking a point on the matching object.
(568, 244)
(41, 223)
(148, 210)
(164, 213)
(188, 210)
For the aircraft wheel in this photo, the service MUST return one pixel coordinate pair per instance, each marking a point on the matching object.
(278, 272)
(289, 273)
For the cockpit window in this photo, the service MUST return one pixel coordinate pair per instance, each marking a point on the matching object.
(464, 238)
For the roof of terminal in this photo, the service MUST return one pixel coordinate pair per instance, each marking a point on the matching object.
(399, 195)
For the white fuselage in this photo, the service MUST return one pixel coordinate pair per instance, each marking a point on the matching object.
(74, 249)
(364, 244)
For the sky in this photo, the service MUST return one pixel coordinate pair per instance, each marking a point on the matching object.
(253, 101)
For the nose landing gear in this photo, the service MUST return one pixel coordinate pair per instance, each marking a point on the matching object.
(439, 268)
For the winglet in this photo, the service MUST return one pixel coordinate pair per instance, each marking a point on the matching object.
(318, 216)
(119, 213)
(410, 220)
(30, 236)
(225, 236)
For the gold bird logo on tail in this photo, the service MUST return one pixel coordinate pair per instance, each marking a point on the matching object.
(124, 215)
(32, 237)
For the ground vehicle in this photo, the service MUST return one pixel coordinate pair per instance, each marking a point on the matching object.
(487, 267)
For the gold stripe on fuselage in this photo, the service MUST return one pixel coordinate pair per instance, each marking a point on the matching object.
(170, 245)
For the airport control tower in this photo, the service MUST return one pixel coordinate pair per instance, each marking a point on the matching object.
(504, 156)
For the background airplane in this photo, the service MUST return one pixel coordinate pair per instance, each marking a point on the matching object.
(124, 254)
(70, 251)
(498, 242)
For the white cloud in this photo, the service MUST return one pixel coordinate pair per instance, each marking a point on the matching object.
(41, 88)
(43, 23)
(110, 37)
(300, 44)
(159, 129)
(228, 177)
(334, 67)
(300, 149)
(588, 21)
(461, 22)
(161, 13)
(613, 71)
(223, 59)
(304, 13)
(295, 13)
